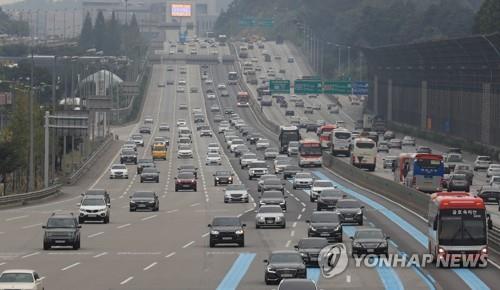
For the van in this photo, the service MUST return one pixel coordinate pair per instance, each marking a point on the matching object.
(364, 153)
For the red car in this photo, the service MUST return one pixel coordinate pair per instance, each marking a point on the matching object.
(185, 181)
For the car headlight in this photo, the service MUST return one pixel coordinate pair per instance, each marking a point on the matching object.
(282, 202)
(278, 218)
(239, 232)
(230, 178)
(214, 232)
(303, 254)
(312, 228)
(337, 228)
(260, 218)
(216, 178)
(151, 201)
(270, 269)
(383, 245)
(132, 201)
(356, 244)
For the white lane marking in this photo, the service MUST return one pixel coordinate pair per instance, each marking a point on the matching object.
(123, 226)
(303, 209)
(170, 255)
(30, 255)
(299, 216)
(126, 280)
(31, 226)
(288, 243)
(494, 264)
(95, 235)
(3, 263)
(292, 233)
(70, 266)
(294, 224)
(150, 266)
(297, 199)
(195, 204)
(100, 255)
(16, 218)
(171, 211)
(205, 234)
(149, 217)
(188, 244)
(303, 204)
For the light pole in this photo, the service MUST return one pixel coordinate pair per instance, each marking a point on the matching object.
(31, 167)
(126, 12)
(348, 61)
(338, 61)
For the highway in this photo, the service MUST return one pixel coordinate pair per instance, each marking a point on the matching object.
(169, 249)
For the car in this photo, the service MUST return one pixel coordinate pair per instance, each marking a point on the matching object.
(247, 158)
(199, 118)
(257, 169)
(290, 60)
(206, 133)
(221, 87)
(350, 211)
(273, 197)
(424, 149)
(188, 167)
(138, 139)
(183, 106)
(61, 230)
(145, 130)
(223, 127)
(235, 142)
(325, 224)
(463, 168)
(253, 138)
(262, 144)
(21, 279)
(144, 163)
(184, 141)
(170, 82)
(493, 170)
(389, 162)
(328, 199)
(309, 249)
(271, 184)
(144, 200)
(388, 135)
(209, 82)
(299, 104)
(185, 181)
(482, 162)
(211, 96)
(213, 147)
(263, 178)
(284, 265)
(369, 241)
(317, 107)
(118, 171)
(236, 193)
(98, 193)
(148, 120)
(318, 186)
(311, 127)
(215, 108)
(180, 89)
(270, 216)
(333, 109)
(395, 143)
(184, 151)
(451, 160)
(164, 127)
(308, 109)
(130, 145)
(290, 170)
(170, 68)
(128, 157)
(227, 230)
(94, 208)
(213, 158)
(181, 123)
(224, 93)
(408, 141)
(489, 194)
(302, 180)
(240, 149)
(493, 181)
(150, 174)
(445, 180)
(383, 146)
(223, 177)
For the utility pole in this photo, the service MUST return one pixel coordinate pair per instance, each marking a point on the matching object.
(349, 61)
(31, 172)
(126, 12)
(360, 65)
(338, 61)
(46, 151)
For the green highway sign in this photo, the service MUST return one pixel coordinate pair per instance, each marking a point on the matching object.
(266, 23)
(279, 86)
(337, 87)
(248, 22)
(303, 87)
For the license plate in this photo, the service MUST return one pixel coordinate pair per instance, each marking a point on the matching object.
(142, 205)
(330, 206)
(286, 275)
(314, 258)
(492, 198)
(227, 238)
(186, 185)
(60, 242)
(91, 215)
(370, 250)
(348, 218)
(325, 234)
(269, 222)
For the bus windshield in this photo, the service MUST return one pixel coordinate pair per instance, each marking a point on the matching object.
(289, 136)
(232, 76)
(311, 149)
(462, 227)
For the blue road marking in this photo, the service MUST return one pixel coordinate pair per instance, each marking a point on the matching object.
(237, 272)
(471, 279)
(313, 274)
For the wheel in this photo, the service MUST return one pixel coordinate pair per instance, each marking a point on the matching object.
(142, 181)
(311, 199)
(46, 246)
(194, 189)
(106, 220)
(157, 208)
(225, 201)
(361, 222)
(267, 282)
(76, 245)
(257, 226)
(294, 187)
(176, 189)
(283, 226)
(131, 209)
(242, 244)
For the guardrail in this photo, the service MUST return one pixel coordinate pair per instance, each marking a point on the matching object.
(22, 198)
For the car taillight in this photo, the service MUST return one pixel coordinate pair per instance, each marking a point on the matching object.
(192, 181)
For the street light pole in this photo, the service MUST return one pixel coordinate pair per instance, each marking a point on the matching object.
(348, 61)
(338, 61)
(126, 12)
(31, 166)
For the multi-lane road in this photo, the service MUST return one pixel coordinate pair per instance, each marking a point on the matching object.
(169, 249)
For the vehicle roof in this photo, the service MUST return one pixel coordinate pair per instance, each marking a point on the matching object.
(18, 271)
(284, 252)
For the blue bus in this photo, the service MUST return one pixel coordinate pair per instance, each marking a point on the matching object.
(424, 172)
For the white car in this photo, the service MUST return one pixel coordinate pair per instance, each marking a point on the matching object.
(213, 147)
(209, 82)
(318, 186)
(181, 123)
(211, 96)
(138, 139)
(271, 153)
(130, 145)
(482, 162)
(257, 169)
(262, 144)
(213, 158)
(118, 171)
(221, 86)
(164, 127)
(215, 108)
(94, 208)
(234, 143)
(148, 120)
(303, 180)
(293, 148)
(184, 151)
(20, 279)
(493, 169)
(236, 192)
(223, 127)
(247, 158)
(280, 165)
(181, 89)
(494, 180)
(408, 141)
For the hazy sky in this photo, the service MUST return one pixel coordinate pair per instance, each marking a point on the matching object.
(8, 1)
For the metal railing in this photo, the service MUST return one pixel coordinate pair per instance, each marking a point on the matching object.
(22, 198)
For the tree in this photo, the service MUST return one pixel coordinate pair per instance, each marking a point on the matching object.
(112, 43)
(132, 39)
(488, 17)
(99, 31)
(86, 35)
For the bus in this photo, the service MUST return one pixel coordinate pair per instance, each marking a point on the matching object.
(222, 38)
(242, 99)
(310, 153)
(424, 172)
(341, 139)
(232, 77)
(243, 51)
(458, 229)
(364, 153)
(324, 133)
(287, 135)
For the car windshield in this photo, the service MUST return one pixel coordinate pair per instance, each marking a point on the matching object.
(149, 170)
(484, 158)
(365, 145)
(184, 147)
(128, 152)
(144, 194)
(303, 175)
(137, 137)
(323, 184)
(293, 144)
(213, 155)
(286, 258)
(16, 278)
(61, 223)
(257, 165)
(222, 173)
(325, 217)
(93, 201)
(186, 175)
(250, 156)
(348, 204)
(236, 187)
(270, 209)
(226, 221)
(272, 182)
(272, 194)
(331, 193)
(119, 166)
(369, 234)
(271, 150)
(314, 243)
(454, 158)
(458, 177)
(263, 141)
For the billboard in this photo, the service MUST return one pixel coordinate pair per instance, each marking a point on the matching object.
(180, 10)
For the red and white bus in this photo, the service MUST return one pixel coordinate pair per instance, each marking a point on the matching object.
(457, 228)
(325, 135)
(310, 153)
(242, 99)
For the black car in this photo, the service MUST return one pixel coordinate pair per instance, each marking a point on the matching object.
(188, 167)
(290, 170)
(145, 130)
(228, 111)
(144, 200)
(128, 157)
(370, 241)
(227, 230)
(328, 199)
(424, 149)
(350, 211)
(272, 184)
(144, 163)
(253, 138)
(297, 284)
(223, 177)
(311, 127)
(325, 224)
(206, 133)
(150, 174)
(98, 193)
(283, 265)
(61, 230)
(289, 113)
(309, 249)
(283, 104)
(202, 126)
(273, 197)
(458, 182)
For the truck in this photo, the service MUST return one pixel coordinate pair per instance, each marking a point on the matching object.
(251, 77)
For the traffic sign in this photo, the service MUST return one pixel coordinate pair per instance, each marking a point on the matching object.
(279, 86)
(360, 88)
(266, 23)
(248, 22)
(303, 87)
(337, 87)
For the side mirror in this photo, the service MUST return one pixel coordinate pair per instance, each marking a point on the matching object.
(79, 226)
(387, 238)
(209, 225)
(78, 204)
(109, 204)
(130, 197)
(243, 225)
(175, 177)
(286, 196)
(82, 194)
(296, 247)
(213, 174)
(362, 207)
(266, 261)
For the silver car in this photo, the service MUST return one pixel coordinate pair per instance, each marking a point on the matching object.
(271, 153)
(270, 216)
(235, 193)
(303, 180)
(247, 158)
